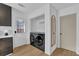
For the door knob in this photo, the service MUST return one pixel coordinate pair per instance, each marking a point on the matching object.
(61, 33)
(53, 32)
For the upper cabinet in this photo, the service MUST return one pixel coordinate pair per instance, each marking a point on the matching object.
(5, 15)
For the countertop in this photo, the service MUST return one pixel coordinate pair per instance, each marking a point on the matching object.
(6, 36)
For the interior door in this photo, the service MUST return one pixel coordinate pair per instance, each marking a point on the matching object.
(68, 32)
(53, 30)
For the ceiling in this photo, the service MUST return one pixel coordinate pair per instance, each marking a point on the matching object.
(30, 7)
(26, 7)
(60, 6)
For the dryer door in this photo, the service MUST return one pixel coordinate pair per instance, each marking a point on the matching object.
(39, 40)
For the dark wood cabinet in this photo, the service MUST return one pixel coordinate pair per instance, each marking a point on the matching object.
(6, 46)
(5, 15)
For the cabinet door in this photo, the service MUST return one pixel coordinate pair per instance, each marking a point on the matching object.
(6, 46)
(5, 15)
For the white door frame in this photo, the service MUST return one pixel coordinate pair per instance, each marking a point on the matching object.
(63, 14)
(75, 29)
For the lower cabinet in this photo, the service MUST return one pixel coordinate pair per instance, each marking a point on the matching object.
(6, 46)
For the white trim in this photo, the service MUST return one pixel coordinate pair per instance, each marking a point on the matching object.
(47, 30)
(53, 48)
(10, 54)
(77, 52)
(58, 31)
(77, 33)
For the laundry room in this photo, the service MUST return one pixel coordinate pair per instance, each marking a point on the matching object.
(37, 34)
(39, 28)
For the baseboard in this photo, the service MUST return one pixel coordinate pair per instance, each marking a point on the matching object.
(77, 52)
(19, 46)
(10, 54)
(47, 53)
(53, 48)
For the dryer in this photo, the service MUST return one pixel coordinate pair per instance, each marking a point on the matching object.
(38, 40)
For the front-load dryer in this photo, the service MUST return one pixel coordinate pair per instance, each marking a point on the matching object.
(38, 40)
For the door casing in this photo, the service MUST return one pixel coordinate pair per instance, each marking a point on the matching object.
(71, 15)
(53, 30)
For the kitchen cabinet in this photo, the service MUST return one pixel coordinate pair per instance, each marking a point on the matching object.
(6, 46)
(5, 15)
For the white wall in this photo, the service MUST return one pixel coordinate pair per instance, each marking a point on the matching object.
(4, 29)
(47, 29)
(77, 33)
(38, 24)
(18, 38)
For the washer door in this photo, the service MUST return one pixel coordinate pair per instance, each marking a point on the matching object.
(39, 40)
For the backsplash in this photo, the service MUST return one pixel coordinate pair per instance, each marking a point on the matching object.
(5, 29)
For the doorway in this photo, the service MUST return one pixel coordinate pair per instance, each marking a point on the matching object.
(68, 32)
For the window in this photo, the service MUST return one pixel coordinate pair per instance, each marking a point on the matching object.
(20, 26)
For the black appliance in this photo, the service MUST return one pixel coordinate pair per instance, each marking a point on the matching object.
(38, 40)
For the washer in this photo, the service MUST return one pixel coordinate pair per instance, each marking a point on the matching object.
(38, 40)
